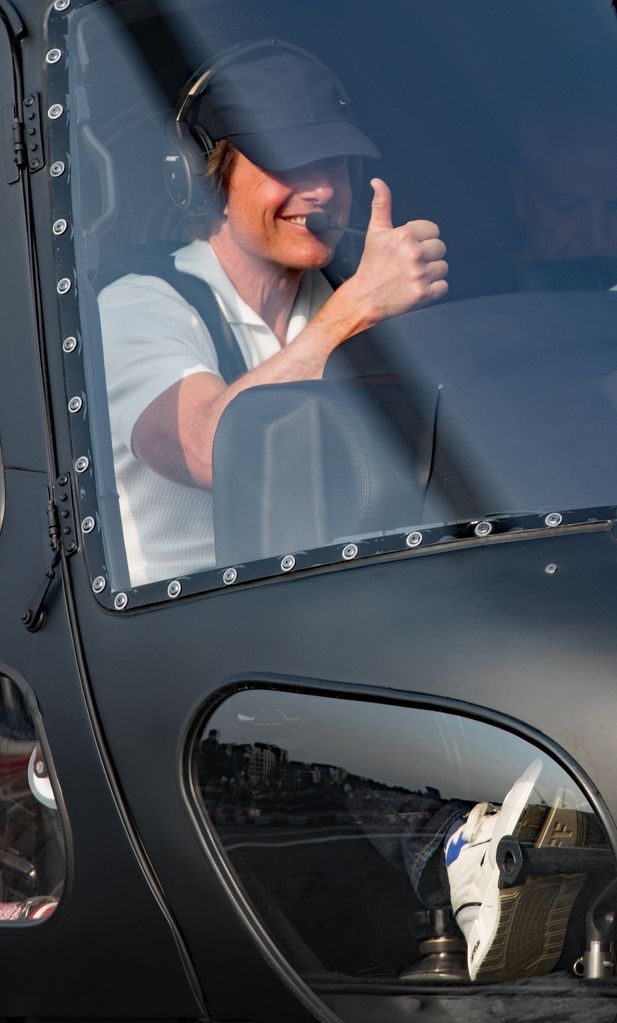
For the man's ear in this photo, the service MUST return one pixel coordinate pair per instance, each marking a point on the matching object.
(518, 186)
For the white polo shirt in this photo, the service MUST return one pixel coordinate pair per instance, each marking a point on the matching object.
(152, 338)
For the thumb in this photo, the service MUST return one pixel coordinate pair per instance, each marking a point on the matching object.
(381, 206)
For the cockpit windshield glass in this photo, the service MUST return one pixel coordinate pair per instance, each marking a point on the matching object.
(272, 360)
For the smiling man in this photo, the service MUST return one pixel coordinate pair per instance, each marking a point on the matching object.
(280, 135)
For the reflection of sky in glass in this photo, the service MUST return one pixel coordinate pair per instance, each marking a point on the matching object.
(404, 746)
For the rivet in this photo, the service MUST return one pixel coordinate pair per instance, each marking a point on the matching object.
(60, 226)
(71, 546)
(483, 529)
(88, 524)
(553, 519)
(82, 463)
(288, 562)
(69, 344)
(61, 5)
(57, 168)
(53, 56)
(413, 539)
(75, 403)
(349, 552)
(174, 589)
(35, 164)
(63, 286)
(29, 101)
(551, 569)
(229, 576)
(120, 601)
(99, 584)
(55, 111)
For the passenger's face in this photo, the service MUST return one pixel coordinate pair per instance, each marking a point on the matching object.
(569, 206)
(265, 211)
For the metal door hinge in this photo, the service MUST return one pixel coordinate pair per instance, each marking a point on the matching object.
(23, 138)
(61, 516)
(62, 538)
(32, 139)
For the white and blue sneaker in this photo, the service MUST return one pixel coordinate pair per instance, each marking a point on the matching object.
(510, 932)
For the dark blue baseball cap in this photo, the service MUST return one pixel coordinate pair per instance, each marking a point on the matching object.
(281, 108)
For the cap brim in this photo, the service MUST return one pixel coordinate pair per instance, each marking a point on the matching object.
(284, 148)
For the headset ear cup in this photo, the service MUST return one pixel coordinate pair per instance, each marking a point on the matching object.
(185, 164)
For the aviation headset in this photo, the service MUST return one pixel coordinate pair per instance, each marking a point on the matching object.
(189, 148)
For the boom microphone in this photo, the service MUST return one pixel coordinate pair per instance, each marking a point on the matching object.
(319, 222)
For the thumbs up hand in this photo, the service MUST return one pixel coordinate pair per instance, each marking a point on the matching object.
(401, 267)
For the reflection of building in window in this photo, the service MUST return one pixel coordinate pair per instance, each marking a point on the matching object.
(260, 774)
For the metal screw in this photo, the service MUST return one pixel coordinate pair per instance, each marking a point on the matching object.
(288, 562)
(120, 601)
(36, 163)
(69, 345)
(63, 286)
(174, 589)
(413, 539)
(229, 576)
(553, 519)
(88, 524)
(57, 168)
(55, 111)
(75, 403)
(53, 56)
(39, 767)
(63, 480)
(483, 529)
(71, 546)
(551, 569)
(61, 5)
(99, 584)
(60, 226)
(82, 463)
(29, 100)
(350, 551)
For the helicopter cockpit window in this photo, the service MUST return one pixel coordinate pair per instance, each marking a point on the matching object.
(205, 445)
(399, 846)
(32, 851)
